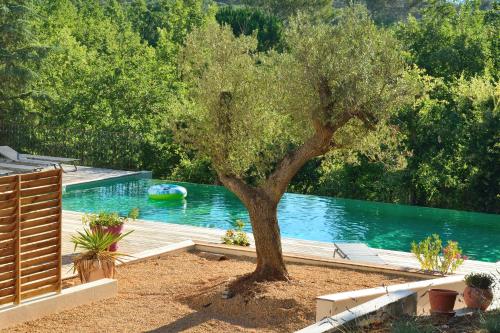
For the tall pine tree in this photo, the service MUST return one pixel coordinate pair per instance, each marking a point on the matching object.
(17, 52)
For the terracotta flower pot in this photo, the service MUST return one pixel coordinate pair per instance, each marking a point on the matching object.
(91, 270)
(442, 300)
(116, 230)
(477, 298)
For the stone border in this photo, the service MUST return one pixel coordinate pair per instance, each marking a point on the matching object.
(159, 251)
(68, 298)
(250, 252)
(315, 261)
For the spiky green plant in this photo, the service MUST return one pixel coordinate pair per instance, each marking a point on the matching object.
(95, 244)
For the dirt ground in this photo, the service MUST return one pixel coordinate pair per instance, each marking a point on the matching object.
(183, 293)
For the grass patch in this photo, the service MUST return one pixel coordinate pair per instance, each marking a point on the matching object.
(491, 322)
(412, 326)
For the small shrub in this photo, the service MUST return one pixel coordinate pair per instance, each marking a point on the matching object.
(103, 219)
(236, 236)
(134, 213)
(433, 257)
(491, 322)
(479, 280)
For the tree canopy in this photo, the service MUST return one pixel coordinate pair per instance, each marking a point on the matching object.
(259, 117)
(245, 20)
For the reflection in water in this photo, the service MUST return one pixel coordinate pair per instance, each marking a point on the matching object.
(301, 216)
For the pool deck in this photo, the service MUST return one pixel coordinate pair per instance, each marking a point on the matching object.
(149, 235)
(88, 175)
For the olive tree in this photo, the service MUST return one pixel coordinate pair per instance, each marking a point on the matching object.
(259, 117)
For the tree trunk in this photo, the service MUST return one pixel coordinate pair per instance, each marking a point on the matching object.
(266, 231)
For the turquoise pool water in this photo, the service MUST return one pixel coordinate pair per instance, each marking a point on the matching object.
(309, 217)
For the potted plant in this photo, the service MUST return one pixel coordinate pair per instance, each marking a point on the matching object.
(435, 258)
(106, 222)
(442, 301)
(96, 262)
(478, 294)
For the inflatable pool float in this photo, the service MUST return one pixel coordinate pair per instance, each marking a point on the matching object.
(167, 192)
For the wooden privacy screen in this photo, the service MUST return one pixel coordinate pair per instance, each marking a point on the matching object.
(30, 235)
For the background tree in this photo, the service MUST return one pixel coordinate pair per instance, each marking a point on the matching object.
(246, 21)
(259, 118)
(449, 41)
(440, 154)
(18, 49)
(387, 12)
(177, 18)
(284, 9)
(104, 87)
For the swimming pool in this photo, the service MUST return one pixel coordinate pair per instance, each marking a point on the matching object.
(310, 217)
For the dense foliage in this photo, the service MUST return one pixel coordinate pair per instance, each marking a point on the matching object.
(19, 52)
(450, 137)
(98, 80)
(246, 21)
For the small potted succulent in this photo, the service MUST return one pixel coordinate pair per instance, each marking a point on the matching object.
(236, 237)
(478, 294)
(106, 222)
(96, 262)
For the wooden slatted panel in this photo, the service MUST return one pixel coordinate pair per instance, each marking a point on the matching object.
(8, 229)
(17, 245)
(41, 196)
(30, 235)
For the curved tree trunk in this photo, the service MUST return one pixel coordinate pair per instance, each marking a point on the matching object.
(262, 202)
(266, 231)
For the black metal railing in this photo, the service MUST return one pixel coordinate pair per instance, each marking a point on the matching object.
(97, 147)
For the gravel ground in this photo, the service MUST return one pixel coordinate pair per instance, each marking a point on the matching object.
(182, 293)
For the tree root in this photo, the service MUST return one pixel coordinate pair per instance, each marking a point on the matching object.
(249, 285)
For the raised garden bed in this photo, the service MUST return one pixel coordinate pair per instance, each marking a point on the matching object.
(182, 292)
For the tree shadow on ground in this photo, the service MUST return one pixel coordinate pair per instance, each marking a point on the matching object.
(253, 309)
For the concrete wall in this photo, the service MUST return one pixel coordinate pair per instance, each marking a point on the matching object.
(330, 305)
(68, 298)
(391, 305)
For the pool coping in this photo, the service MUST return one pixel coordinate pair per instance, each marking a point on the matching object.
(132, 175)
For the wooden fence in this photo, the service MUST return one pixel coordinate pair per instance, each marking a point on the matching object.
(30, 235)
